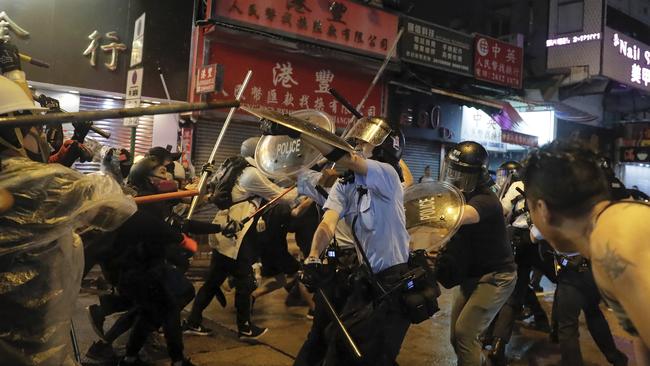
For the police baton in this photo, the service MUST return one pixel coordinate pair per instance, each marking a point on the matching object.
(268, 205)
(339, 323)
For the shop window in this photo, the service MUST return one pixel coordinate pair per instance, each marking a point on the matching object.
(570, 16)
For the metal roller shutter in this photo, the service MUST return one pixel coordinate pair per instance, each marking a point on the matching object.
(207, 132)
(120, 135)
(420, 153)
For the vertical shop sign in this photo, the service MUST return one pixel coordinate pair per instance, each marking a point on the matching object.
(138, 42)
(498, 62)
(133, 94)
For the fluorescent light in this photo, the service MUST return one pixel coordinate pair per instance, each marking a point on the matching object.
(73, 92)
(118, 98)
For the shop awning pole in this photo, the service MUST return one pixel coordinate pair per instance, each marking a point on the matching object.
(84, 116)
(204, 174)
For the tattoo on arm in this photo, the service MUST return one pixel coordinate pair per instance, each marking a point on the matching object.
(613, 264)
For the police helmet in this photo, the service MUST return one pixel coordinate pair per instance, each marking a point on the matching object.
(509, 169)
(248, 147)
(465, 166)
(141, 171)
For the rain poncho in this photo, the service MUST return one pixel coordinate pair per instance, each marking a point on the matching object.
(41, 256)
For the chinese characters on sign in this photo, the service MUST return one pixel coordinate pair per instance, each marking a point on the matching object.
(498, 62)
(434, 46)
(626, 60)
(6, 25)
(517, 138)
(133, 94)
(207, 79)
(287, 83)
(342, 23)
(113, 47)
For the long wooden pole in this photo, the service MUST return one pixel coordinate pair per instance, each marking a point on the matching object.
(68, 117)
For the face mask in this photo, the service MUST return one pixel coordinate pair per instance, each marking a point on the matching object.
(165, 186)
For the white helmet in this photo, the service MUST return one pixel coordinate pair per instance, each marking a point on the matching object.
(13, 98)
(21, 140)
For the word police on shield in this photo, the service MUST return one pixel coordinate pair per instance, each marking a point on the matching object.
(133, 94)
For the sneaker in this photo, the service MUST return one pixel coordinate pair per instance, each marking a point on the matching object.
(97, 318)
(198, 330)
(250, 331)
(310, 314)
(100, 351)
(136, 362)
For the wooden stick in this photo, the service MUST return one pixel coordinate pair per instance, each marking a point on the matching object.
(165, 196)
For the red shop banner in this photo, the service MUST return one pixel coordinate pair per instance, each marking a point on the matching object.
(341, 23)
(517, 138)
(284, 82)
(498, 62)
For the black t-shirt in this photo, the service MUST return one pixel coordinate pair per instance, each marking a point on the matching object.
(486, 240)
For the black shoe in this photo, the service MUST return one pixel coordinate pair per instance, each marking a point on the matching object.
(100, 351)
(250, 331)
(97, 318)
(136, 362)
(198, 330)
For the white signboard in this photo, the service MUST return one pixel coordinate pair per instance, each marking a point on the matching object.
(133, 94)
(480, 127)
(138, 41)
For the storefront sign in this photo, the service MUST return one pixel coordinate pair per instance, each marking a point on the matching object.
(340, 23)
(137, 45)
(286, 83)
(133, 94)
(206, 79)
(434, 46)
(635, 154)
(186, 145)
(626, 60)
(517, 138)
(480, 127)
(498, 62)
(563, 41)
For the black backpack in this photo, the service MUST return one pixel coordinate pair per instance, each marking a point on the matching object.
(224, 180)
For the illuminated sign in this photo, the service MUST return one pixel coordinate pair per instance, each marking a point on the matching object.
(564, 41)
(626, 60)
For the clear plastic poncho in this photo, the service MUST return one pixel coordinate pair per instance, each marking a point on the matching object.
(41, 256)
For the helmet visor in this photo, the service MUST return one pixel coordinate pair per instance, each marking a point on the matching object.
(371, 130)
(502, 177)
(466, 181)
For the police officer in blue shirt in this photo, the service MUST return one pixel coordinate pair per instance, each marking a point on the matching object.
(370, 199)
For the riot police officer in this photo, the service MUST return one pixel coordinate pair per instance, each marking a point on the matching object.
(370, 200)
(481, 247)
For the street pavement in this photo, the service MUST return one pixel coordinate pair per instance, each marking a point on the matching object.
(426, 343)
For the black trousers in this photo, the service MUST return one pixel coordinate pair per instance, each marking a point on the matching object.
(159, 293)
(577, 291)
(377, 326)
(526, 257)
(274, 251)
(220, 268)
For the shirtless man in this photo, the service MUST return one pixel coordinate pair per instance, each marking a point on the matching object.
(578, 215)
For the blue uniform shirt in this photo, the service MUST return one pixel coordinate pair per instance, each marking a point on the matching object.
(381, 223)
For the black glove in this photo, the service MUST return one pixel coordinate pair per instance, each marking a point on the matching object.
(313, 274)
(49, 103)
(274, 129)
(81, 129)
(231, 229)
(9, 58)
